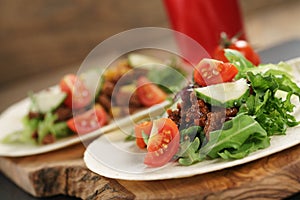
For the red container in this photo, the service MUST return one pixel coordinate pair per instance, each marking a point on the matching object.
(204, 20)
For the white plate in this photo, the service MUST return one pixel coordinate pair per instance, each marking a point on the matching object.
(123, 160)
(112, 157)
(10, 121)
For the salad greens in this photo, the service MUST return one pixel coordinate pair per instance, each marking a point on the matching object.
(239, 137)
(169, 78)
(261, 115)
(42, 127)
(238, 60)
(189, 152)
(273, 113)
(24, 135)
(48, 125)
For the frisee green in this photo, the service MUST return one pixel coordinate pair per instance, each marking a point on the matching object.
(272, 112)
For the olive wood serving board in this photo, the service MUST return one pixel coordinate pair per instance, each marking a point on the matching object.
(64, 172)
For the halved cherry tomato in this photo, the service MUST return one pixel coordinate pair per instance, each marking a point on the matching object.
(163, 143)
(240, 45)
(139, 129)
(148, 93)
(78, 96)
(219, 54)
(210, 71)
(88, 121)
(245, 48)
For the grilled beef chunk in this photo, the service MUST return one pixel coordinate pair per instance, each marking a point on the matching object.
(63, 113)
(195, 112)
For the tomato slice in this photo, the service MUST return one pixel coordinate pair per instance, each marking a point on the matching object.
(88, 121)
(148, 93)
(78, 95)
(163, 143)
(210, 71)
(139, 129)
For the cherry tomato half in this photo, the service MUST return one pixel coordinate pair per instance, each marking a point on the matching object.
(148, 93)
(163, 143)
(139, 129)
(245, 48)
(219, 54)
(88, 121)
(78, 96)
(210, 71)
(240, 45)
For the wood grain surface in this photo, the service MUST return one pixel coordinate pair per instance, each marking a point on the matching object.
(64, 172)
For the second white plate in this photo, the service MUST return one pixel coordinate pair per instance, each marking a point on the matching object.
(10, 121)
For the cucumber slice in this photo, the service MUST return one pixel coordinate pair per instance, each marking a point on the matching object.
(225, 94)
(143, 61)
(47, 100)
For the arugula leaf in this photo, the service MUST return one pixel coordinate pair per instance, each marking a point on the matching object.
(239, 137)
(169, 78)
(252, 144)
(191, 133)
(189, 152)
(238, 60)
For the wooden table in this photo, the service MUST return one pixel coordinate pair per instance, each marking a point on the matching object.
(64, 173)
